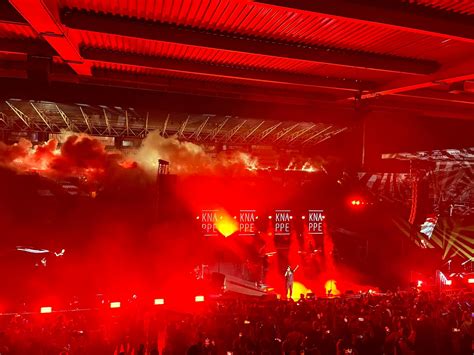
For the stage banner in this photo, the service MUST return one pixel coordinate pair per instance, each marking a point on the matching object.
(247, 220)
(208, 223)
(315, 221)
(282, 225)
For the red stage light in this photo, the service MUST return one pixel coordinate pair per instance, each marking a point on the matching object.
(419, 283)
(358, 202)
(114, 304)
(303, 217)
(46, 309)
(449, 282)
(197, 217)
(269, 217)
(159, 301)
(470, 281)
(199, 298)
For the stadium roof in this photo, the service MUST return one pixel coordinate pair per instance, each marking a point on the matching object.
(413, 55)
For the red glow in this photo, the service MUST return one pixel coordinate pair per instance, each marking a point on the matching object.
(299, 289)
(46, 309)
(331, 288)
(199, 298)
(226, 225)
(449, 282)
(114, 304)
(159, 301)
(357, 202)
(471, 281)
(128, 164)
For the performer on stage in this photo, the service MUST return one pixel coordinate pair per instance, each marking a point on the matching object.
(289, 280)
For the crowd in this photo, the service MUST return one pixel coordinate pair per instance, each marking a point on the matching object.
(401, 323)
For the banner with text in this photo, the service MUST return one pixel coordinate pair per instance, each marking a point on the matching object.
(315, 221)
(208, 222)
(282, 224)
(247, 222)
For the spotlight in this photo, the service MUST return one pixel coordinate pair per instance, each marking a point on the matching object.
(114, 304)
(358, 202)
(199, 298)
(303, 217)
(256, 217)
(159, 301)
(269, 217)
(46, 309)
(470, 281)
(291, 217)
(449, 282)
(197, 217)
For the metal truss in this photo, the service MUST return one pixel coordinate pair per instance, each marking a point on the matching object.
(86, 120)
(213, 134)
(267, 132)
(182, 128)
(42, 116)
(197, 133)
(284, 132)
(51, 118)
(20, 114)
(229, 136)
(165, 125)
(46, 123)
(299, 133)
(252, 131)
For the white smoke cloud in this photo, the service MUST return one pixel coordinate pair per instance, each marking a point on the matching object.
(187, 158)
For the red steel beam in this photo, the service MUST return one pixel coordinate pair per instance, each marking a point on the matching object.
(389, 14)
(122, 26)
(441, 96)
(26, 46)
(202, 87)
(222, 71)
(43, 20)
(462, 72)
(274, 96)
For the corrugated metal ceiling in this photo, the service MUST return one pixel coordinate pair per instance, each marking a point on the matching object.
(129, 69)
(460, 6)
(220, 57)
(253, 19)
(16, 31)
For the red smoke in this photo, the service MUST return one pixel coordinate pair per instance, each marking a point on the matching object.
(79, 156)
